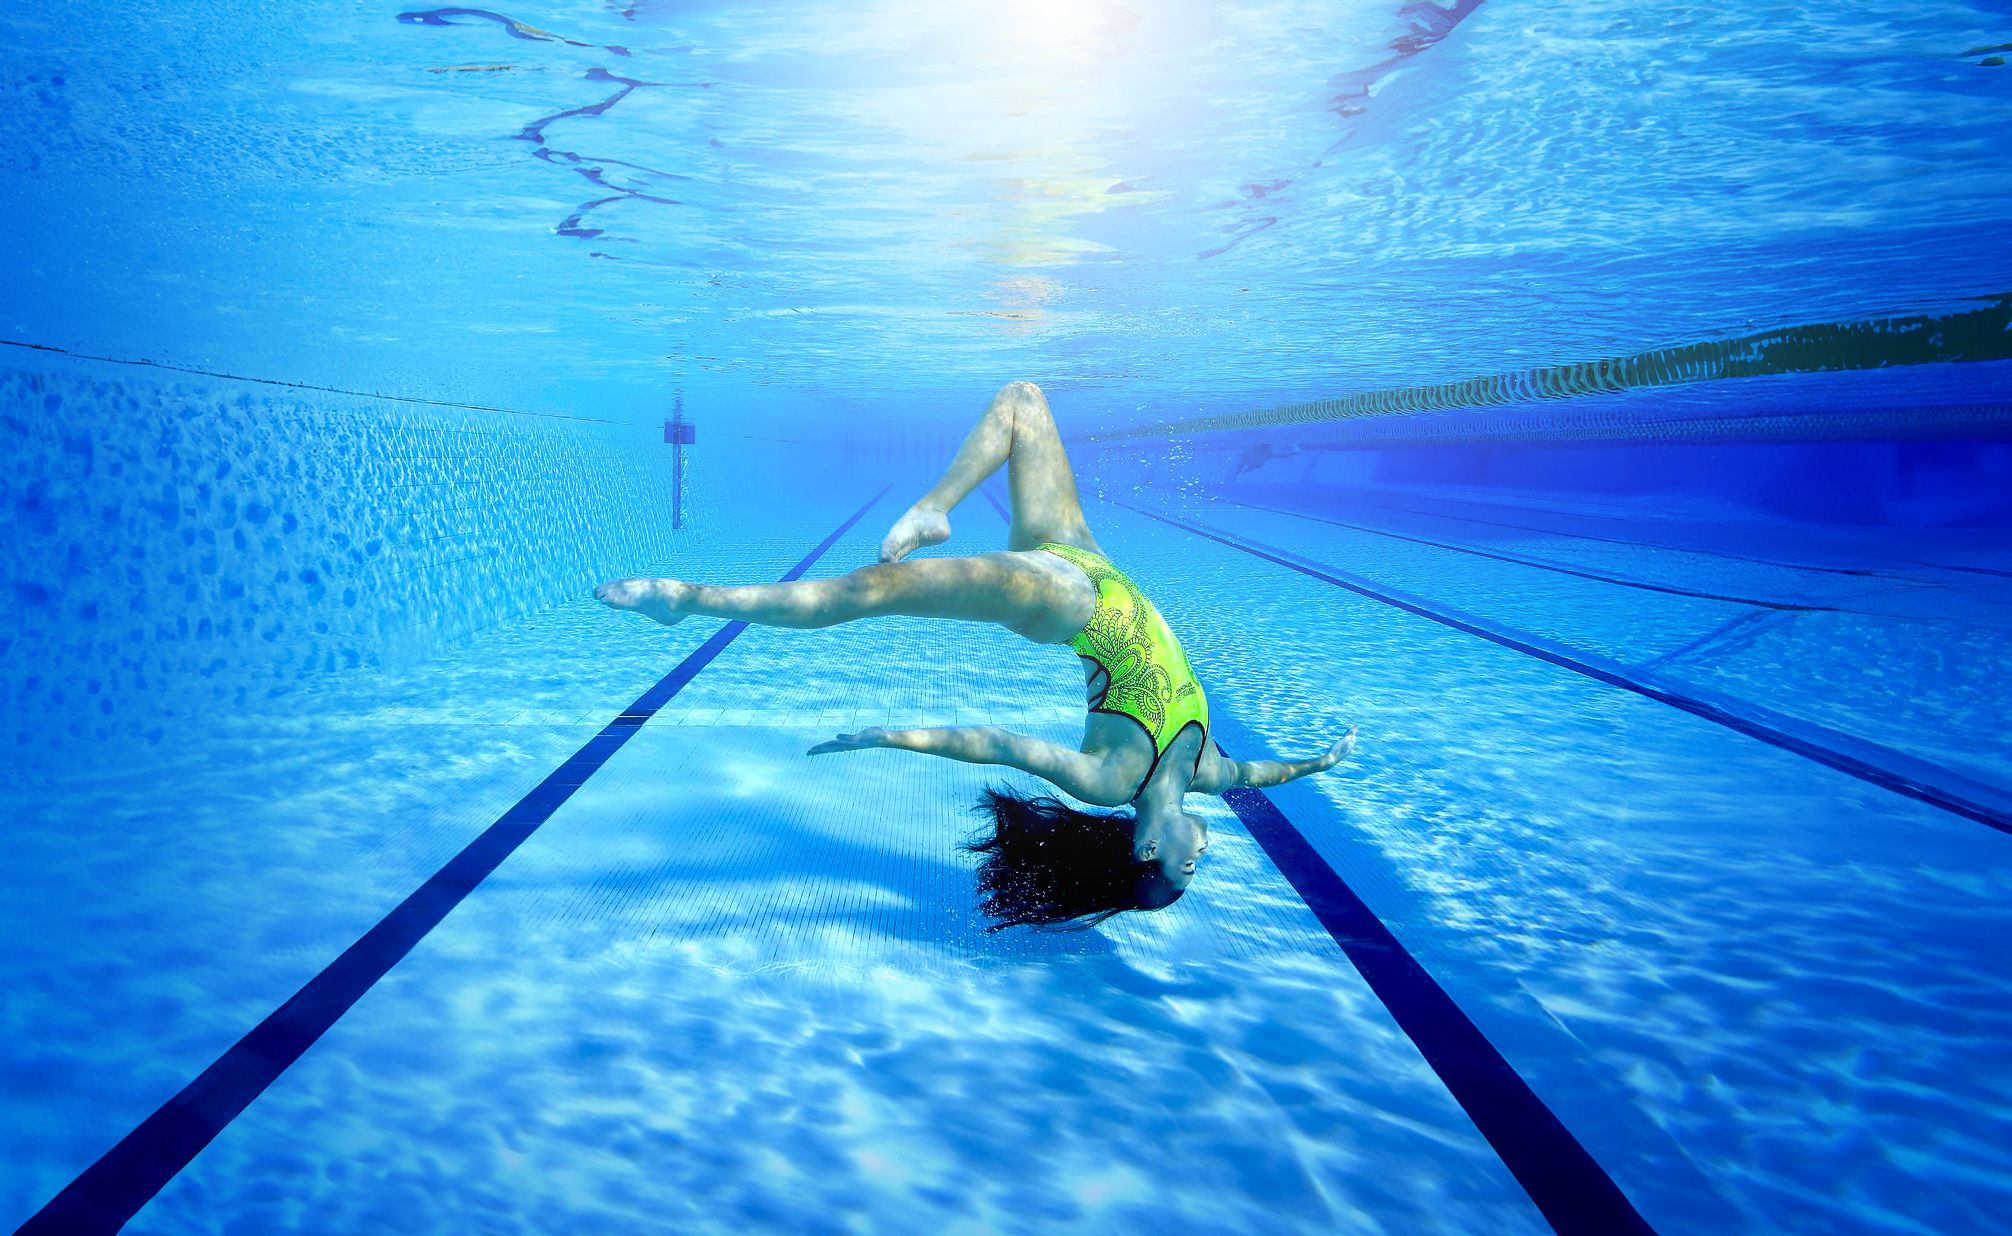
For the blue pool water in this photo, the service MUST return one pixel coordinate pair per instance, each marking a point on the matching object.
(1606, 408)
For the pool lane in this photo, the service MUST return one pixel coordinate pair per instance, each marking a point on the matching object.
(1890, 769)
(157, 905)
(682, 882)
(1787, 975)
(1575, 1193)
(1559, 568)
(727, 988)
(1655, 537)
(1913, 665)
(1568, 1184)
(106, 1195)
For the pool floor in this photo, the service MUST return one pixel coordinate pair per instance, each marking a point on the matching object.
(728, 988)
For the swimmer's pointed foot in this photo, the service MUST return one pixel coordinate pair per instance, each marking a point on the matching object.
(921, 525)
(874, 736)
(661, 599)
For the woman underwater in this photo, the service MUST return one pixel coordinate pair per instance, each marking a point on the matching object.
(1146, 738)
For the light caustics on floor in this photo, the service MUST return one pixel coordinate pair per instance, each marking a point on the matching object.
(1570, 1188)
(1573, 1192)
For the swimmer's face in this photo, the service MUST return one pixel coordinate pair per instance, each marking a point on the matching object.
(1174, 840)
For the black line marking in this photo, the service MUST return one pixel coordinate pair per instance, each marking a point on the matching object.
(1879, 765)
(1621, 580)
(1568, 1185)
(1728, 636)
(106, 1195)
(1971, 570)
(1864, 572)
(1633, 543)
(297, 386)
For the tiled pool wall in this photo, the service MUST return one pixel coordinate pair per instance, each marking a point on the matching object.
(181, 545)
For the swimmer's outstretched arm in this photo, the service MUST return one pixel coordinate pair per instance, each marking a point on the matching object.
(1081, 775)
(1218, 772)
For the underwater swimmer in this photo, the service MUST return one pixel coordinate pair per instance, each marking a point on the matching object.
(1146, 739)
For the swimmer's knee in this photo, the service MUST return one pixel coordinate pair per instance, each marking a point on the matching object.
(1023, 393)
(1028, 406)
(868, 586)
(888, 587)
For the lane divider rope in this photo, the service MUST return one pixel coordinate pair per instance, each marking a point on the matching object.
(1981, 333)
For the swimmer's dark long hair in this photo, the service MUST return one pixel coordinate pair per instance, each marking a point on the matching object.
(1053, 868)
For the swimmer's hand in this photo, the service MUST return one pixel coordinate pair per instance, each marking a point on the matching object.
(1339, 751)
(873, 736)
(1218, 772)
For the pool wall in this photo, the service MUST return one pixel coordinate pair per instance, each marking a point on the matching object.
(179, 544)
(1928, 446)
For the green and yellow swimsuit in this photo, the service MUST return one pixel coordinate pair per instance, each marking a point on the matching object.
(1147, 676)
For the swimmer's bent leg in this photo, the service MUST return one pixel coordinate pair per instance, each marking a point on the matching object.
(996, 588)
(1018, 429)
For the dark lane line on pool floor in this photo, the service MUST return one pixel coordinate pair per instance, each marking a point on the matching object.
(1557, 568)
(1567, 1184)
(1868, 761)
(1359, 501)
(1637, 543)
(1569, 1187)
(106, 1195)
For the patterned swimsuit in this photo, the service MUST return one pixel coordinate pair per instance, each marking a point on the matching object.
(1147, 676)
